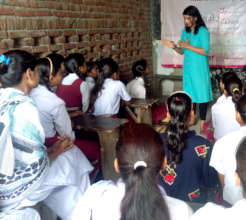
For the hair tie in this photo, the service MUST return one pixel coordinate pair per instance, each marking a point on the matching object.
(177, 99)
(183, 92)
(140, 69)
(51, 65)
(4, 59)
(235, 89)
(139, 163)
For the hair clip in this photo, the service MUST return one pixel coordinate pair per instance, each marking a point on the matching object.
(139, 163)
(51, 65)
(177, 99)
(140, 69)
(235, 89)
(4, 59)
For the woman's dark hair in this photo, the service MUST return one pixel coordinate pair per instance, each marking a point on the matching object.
(241, 163)
(108, 68)
(179, 107)
(44, 67)
(11, 71)
(72, 63)
(234, 88)
(241, 107)
(194, 12)
(139, 67)
(142, 200)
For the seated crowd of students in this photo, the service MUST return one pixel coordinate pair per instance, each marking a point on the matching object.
(42, 158)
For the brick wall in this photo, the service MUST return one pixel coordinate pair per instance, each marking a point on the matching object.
(117, 28)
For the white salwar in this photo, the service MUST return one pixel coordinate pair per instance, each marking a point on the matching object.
(68, 177)
(102, 202)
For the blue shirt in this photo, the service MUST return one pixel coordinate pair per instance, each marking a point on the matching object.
(188, 179)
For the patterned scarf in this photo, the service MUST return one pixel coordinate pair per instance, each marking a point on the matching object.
(23, 158)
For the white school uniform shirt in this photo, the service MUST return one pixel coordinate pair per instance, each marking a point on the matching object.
(108, 100)
(221, 98)
(213, 212)
(136, 88)
(52, 112)
(90, 82)
(102, 202)
(69, 79)
(224, 117)
(223, 159)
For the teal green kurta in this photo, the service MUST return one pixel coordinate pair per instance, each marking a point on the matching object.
(196, 78)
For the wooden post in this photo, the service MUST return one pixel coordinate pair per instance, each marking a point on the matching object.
(108, 140)
(146, 116)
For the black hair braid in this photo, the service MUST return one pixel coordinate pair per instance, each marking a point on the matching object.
(177, 131)
(179, 107)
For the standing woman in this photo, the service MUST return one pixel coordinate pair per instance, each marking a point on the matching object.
(194, 45)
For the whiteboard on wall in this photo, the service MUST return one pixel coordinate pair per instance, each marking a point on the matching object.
(226, 22)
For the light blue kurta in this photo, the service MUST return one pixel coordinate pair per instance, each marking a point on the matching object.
(196, 78)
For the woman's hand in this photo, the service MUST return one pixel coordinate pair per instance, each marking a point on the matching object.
(173, 46)
(63, 144)
(169, 43)
(185, 44)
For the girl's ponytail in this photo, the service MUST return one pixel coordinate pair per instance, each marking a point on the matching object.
(140, 155)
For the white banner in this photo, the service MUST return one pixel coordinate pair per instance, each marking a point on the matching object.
(226, 22)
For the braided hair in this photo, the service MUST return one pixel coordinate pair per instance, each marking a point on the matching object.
(179, 107)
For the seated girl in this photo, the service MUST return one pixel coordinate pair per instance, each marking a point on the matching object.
(187, 174)
(237, 211)
(74, 90)
(223, 111)
(92, 74)
(136, 86)
(25, 172)
(223, 79)
(139, 157)
(136, 89)
(54, 116)
(106, 96)
(223, 157)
